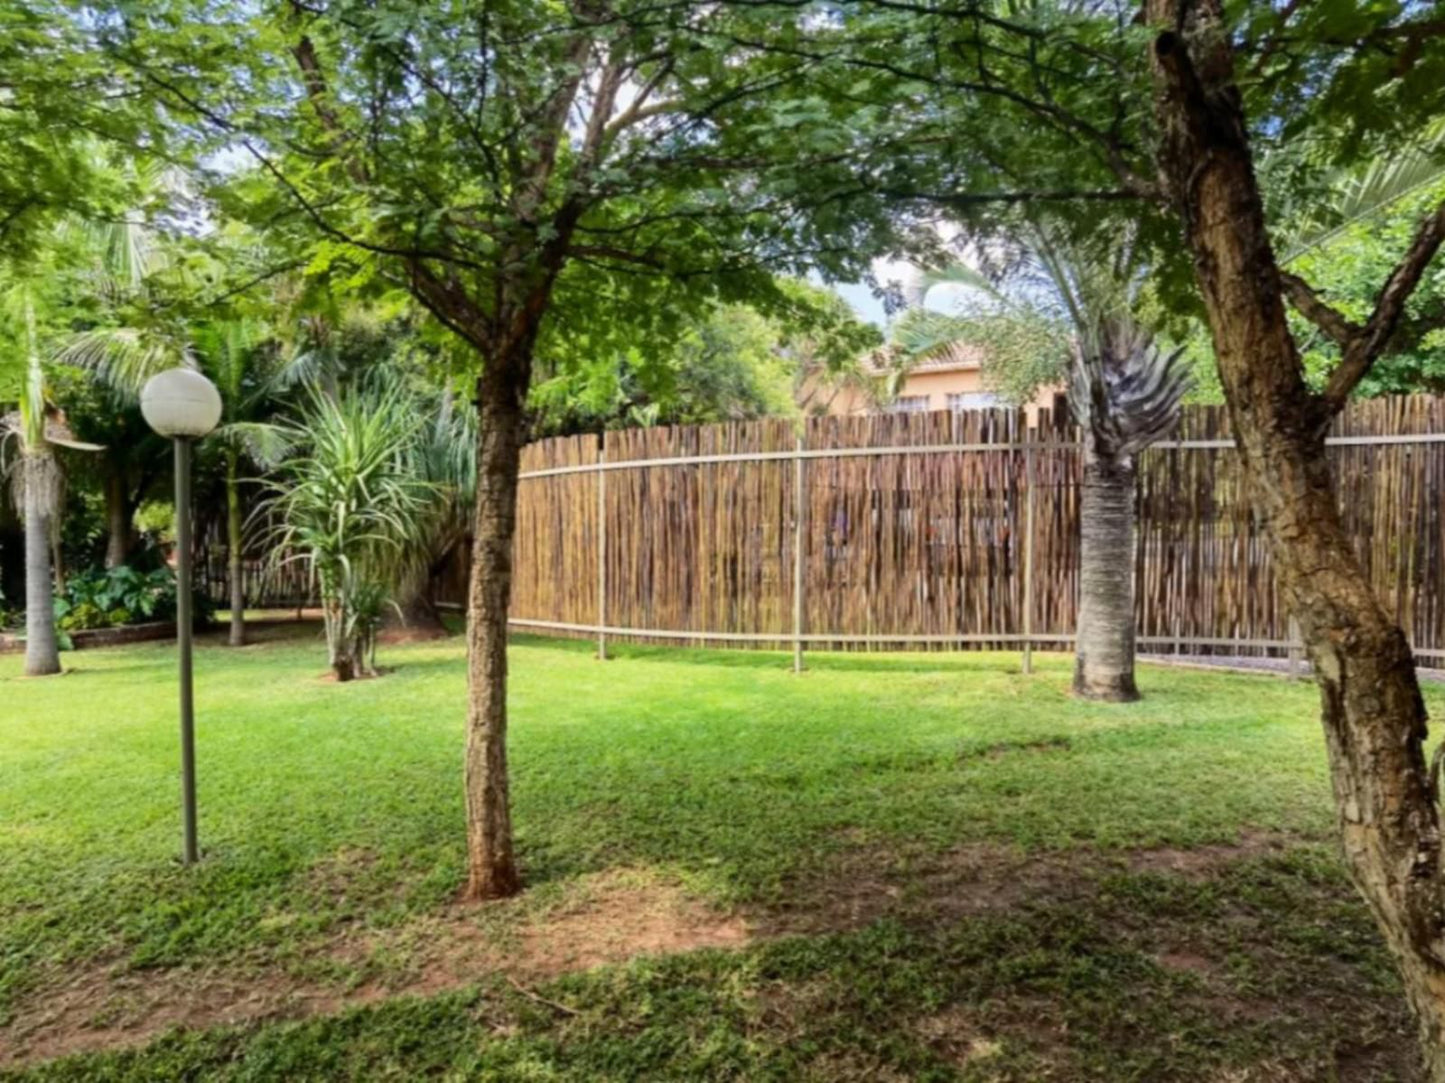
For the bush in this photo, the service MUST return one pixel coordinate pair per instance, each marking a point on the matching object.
(106, 598)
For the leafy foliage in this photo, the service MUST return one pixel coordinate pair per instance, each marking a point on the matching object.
(352, 505)
(1020, 349)
(106, 597)
(1123, 390)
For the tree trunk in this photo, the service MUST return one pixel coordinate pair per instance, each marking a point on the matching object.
(57, 562)
(120, 536)
(1373, 715)
(233, 555)
(42, 649)
(492, 869)
(1104, 650)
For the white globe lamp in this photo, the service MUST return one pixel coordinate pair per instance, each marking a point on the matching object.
(183, 405)
(180, 403)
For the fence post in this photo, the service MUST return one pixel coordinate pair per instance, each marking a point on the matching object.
(1028, 553)
(799, 509)
(601, 551)
(1297, 665)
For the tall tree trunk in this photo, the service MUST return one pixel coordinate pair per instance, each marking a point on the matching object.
(492, 868)
(233, 553)
(1373, 715)
(42, 649)
(120, 537)
(1104, 651)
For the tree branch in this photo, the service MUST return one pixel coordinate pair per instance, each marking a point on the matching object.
(1308, 304)
(969, 199)
(1369, 341)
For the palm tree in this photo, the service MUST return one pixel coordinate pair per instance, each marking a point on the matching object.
(244, 370)
(1074, 310)
(239, 359)
(38, 486)
(1125, 395)
(352, 505)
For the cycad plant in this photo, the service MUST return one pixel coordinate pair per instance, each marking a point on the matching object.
(353, 507)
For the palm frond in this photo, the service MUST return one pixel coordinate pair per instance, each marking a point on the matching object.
(1124, 392)
(265, 443)
(124, 358)
(1367, 193)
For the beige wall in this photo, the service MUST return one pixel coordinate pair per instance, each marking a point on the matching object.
(936, 387)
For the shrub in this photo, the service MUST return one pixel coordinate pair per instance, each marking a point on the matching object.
(106, 598)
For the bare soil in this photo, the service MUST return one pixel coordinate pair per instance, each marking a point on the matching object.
(608, 918)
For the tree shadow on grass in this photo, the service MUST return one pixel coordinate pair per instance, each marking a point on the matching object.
(1251, 962)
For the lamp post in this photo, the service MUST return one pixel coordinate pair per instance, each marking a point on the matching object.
(183, 406)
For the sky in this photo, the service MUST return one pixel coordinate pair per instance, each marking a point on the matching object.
(943, 297)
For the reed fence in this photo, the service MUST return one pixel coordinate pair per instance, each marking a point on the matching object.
(268, 583)
(945, 530)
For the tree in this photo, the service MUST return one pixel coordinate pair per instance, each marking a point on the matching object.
(1056, 297)
(445, 457)
(238, 357)
(37, 485)
(1084, 107)
(729, 362)
(1374, 717)
(1348, 266)
(62, 102)
(1125, 395)
(529, 172)
(1020, 349)
(133, 463)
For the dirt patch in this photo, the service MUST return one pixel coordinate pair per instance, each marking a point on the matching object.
(607, 918)
(613, 917)
(959, 1035)
(392, 637)
(1202, 862)
(868, 883)
(1186, 962)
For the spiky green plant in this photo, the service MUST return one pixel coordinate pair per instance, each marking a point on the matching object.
(352, 505)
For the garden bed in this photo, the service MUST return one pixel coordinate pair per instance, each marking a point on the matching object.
(103, 637)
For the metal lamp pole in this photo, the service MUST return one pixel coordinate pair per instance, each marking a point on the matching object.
(183, 405)
(183, 647)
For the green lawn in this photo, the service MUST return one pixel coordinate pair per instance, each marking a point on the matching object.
(916, 866)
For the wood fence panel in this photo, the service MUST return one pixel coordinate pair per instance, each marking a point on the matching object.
(554, 575)
(931, 544)
(702, 546)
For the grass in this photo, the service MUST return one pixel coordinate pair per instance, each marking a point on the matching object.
(1169, 905)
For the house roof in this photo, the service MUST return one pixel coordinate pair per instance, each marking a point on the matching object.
(956, 357)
